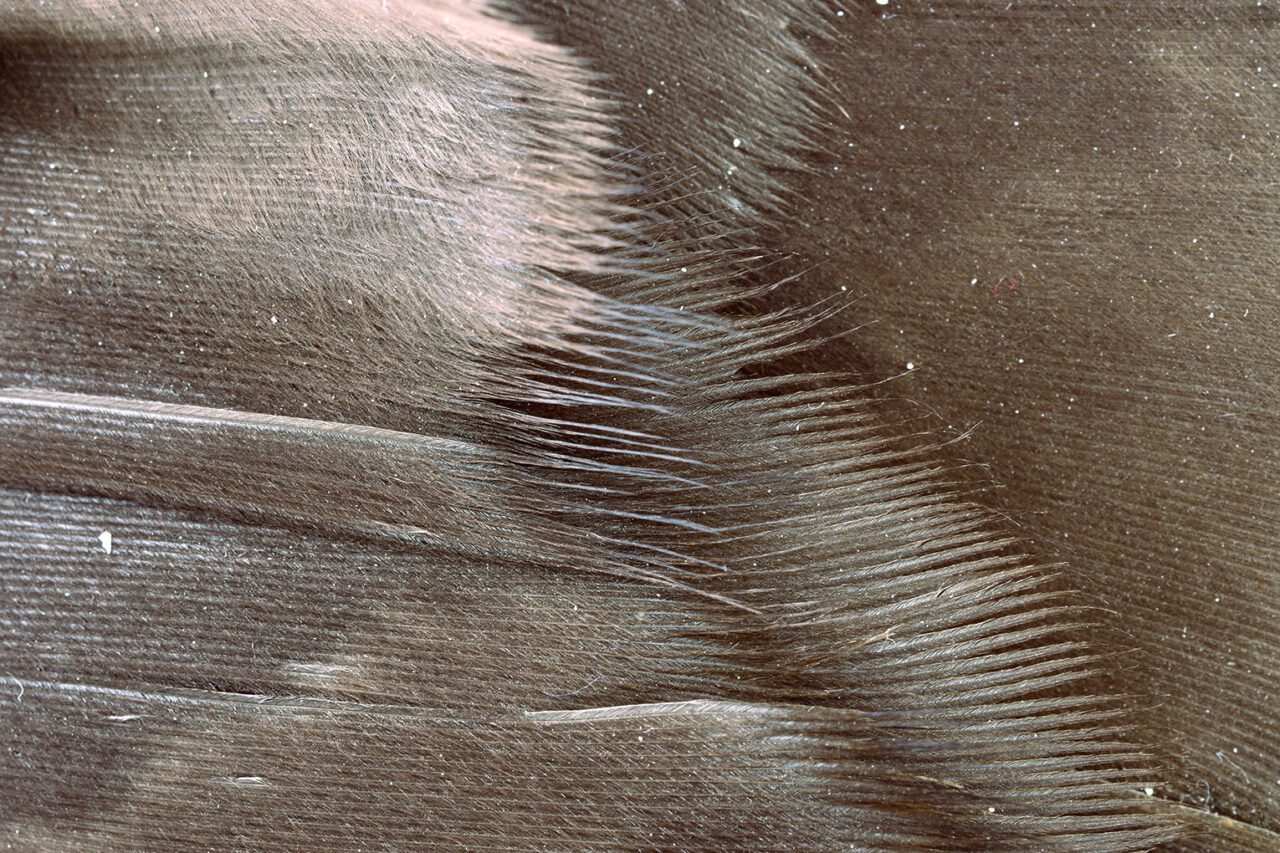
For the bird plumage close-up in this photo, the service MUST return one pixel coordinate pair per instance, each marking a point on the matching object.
(786, 425)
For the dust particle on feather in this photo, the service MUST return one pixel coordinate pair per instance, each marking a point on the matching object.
(105, 538)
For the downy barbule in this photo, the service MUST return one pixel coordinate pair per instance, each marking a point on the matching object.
(592, 425)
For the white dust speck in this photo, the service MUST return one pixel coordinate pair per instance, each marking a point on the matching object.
(911, 365)
(991, 809)
(737, 143)
(649, 91)
(105, 538)
(1149, 791)
(974, 280)
(882, 2)
(274, 320)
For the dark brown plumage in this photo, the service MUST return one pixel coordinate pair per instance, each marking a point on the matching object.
(390, 460)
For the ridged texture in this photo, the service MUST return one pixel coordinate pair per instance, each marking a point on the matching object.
(727, 97)
(417, 541)
(1056, 221)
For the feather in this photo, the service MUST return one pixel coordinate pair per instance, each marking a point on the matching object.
(460, 493)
